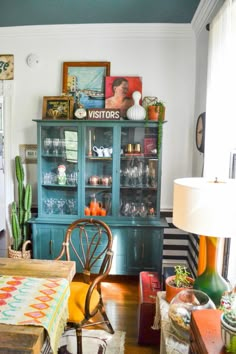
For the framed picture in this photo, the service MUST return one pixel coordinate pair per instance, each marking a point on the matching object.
(119, 90)
(28, 153)
(85, 81)
(6, 67)
(58, 107)
(150, 146)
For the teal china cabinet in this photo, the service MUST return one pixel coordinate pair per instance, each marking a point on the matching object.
(106, 169)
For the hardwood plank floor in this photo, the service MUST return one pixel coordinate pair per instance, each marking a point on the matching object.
(121, 296)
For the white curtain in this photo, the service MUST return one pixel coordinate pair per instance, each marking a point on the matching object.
(221, 103)
(221, 100)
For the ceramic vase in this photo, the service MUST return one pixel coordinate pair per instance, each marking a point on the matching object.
(136, 112)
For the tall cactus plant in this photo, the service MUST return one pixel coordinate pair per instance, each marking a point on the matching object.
(22, 213)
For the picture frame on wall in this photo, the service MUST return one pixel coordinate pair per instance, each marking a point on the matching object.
(58, 107)
(28, 153)
(119, 90)
(6, 67)
(85, 82)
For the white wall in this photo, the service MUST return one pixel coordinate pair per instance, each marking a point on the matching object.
(164, 55)
(200, 95)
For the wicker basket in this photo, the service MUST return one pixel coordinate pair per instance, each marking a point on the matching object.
(20, 254)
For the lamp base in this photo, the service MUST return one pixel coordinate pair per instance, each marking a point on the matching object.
(213, 284)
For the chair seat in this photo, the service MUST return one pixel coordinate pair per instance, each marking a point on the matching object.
(78, 292)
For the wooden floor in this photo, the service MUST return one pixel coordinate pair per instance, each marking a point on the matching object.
(121, 297)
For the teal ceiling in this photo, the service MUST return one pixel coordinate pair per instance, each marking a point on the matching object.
(44, 12)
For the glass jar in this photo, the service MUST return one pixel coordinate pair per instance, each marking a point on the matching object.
(181, 307)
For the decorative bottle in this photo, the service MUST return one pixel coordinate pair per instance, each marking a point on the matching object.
(136, 112)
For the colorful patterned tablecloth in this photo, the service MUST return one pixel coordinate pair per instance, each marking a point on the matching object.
(35, 301)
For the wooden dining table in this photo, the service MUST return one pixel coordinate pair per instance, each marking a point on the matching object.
(29, 339)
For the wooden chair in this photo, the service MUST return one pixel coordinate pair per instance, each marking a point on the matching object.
(89, 242)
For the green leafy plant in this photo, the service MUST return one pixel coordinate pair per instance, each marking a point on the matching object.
(20, 213)
(161, 108)
(182, 275)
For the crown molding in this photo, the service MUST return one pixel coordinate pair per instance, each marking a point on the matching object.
(204, 14)
(117, 31)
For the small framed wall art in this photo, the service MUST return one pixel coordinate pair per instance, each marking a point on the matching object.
(28, 153)
(6, 67)
(58, 107)
(85, 81)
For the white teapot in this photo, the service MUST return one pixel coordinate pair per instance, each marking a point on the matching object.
(99, 151)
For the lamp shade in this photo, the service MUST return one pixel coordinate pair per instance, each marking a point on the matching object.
(205, 207)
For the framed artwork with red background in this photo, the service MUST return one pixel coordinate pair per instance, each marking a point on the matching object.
(119, 90)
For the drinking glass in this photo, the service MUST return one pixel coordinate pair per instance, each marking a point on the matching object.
(47, 145)
(71, 205)
(143, 210)
(60, 205)
(55, 144)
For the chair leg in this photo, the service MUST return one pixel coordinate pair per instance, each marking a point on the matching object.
(106, 320)
(79, 340)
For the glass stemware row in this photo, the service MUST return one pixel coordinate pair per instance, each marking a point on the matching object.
(59, 206)
(54, 146)
(134, 209)
(138, 176)
(52, 178)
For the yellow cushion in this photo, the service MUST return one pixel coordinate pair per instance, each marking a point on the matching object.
(78, 292)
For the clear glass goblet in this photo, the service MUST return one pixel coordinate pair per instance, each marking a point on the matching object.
(47, 145)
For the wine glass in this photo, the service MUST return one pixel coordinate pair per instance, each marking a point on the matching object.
(133, 209)
(47, 145)
(71, 205)
(55, 144)
(143, 210)
(60, 205)
(63, 147)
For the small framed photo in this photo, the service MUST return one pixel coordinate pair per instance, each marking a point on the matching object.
(119, 90)
(6, 67)
(85, 81)
(58, 107)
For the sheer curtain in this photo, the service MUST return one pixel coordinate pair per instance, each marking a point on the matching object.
(221, 102)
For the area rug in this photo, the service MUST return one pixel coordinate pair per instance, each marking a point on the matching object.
(94, 342)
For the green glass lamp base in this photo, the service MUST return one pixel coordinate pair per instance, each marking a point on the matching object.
(213, 284)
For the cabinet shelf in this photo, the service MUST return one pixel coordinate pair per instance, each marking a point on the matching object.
(59, 185)
(97, 186)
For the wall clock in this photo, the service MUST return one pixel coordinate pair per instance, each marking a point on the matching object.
(200, 132)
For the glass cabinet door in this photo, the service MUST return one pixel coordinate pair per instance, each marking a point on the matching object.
(58, 170)
(139, 172)
(98, 171)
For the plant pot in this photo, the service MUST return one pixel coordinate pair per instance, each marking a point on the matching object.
(156, 113)
(26, 254)
(228, 335)
(153, 113)
(171, 290)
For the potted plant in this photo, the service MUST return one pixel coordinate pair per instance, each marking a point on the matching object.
(20, 214)
(228, 320)
(178, 282)
(156, 111)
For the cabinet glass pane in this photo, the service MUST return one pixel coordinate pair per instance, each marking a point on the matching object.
(59, 170)
(138, 172)
(98, 171)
